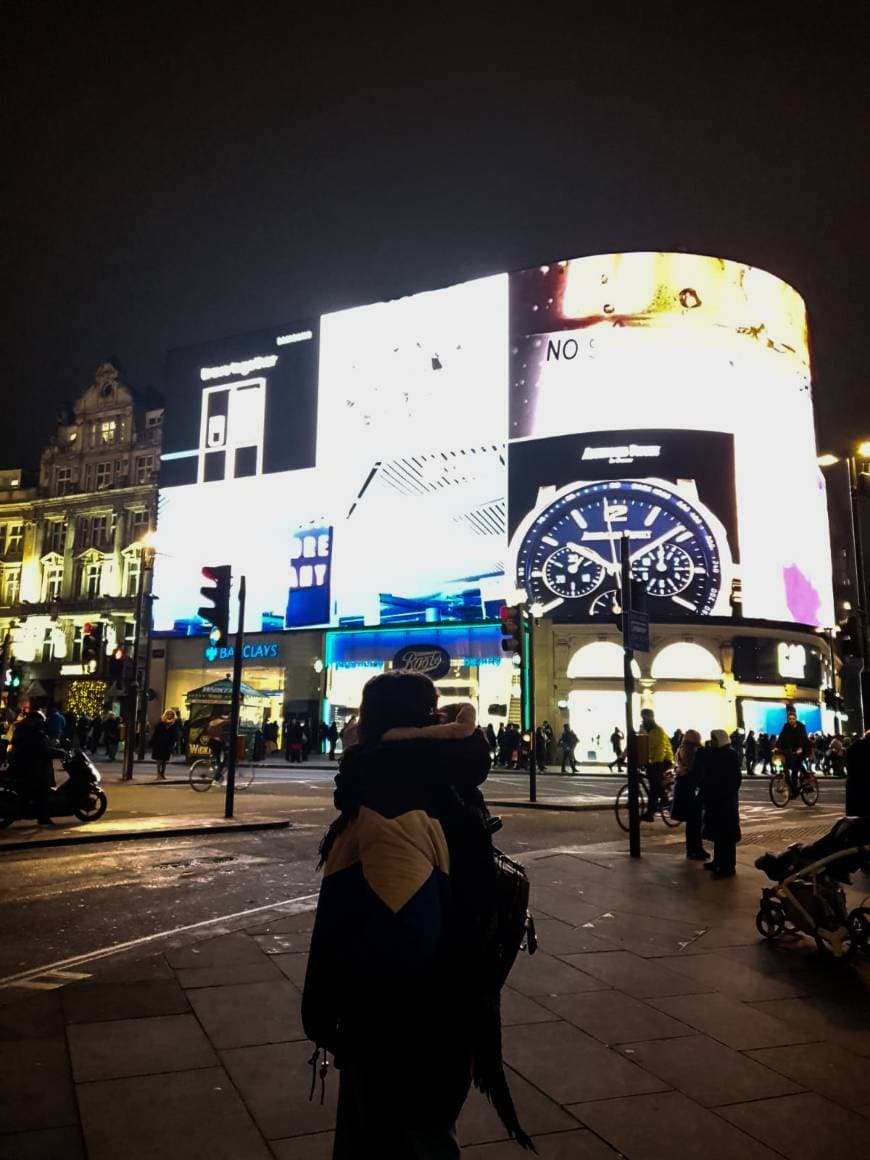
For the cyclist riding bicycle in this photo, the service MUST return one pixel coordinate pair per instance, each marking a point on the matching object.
(794, 745)
(215, 735)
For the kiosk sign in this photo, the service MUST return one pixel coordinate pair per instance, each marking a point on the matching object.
(429, 659)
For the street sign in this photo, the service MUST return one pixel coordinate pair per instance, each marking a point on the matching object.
(638, 631)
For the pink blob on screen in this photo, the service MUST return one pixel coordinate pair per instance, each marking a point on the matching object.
(804, 602)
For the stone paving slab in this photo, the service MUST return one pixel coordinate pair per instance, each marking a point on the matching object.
(249, 1013)
(614, 1017)
(317, 1147)
(642, 978)
(50, 1144)
(733, 1023)
(94, 1002)
(274, 1080)
(36, 1088)
(803, 1127)
(479, 1123)
(824, 1068)
(667, 1125)
(138, 1047)
(577, 1145)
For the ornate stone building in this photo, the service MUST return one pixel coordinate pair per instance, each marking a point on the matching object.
(70, 547)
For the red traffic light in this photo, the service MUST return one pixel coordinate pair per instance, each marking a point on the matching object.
(119, 654)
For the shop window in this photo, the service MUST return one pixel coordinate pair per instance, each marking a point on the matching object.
(685, 661)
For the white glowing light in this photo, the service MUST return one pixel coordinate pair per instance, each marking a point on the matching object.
(300, 336)
(261, 362)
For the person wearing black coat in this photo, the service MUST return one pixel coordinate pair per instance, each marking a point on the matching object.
(858, 778)
(31, 762)
(163, 742)
(396, 986)
(686, 804)
(719, 777)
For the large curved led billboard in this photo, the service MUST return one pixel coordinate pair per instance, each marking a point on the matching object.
(422, 459)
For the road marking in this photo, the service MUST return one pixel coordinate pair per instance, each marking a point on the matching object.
(31, 978)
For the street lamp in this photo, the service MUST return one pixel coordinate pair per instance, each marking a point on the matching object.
(136, 698)
(858, 485)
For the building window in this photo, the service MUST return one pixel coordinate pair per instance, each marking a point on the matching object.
(108, 430)
(139, 522)
(102, 531)
(103, 476)
(63, 482)
(77, 645)
(48, 646)
(52, 582)
(132, 572)
(129, 634)
(55, 536)
(11, 585)
(91, 580)
(14, 536)
(144, 468)
(155, 419)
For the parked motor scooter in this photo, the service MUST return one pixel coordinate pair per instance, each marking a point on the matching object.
(80, 795)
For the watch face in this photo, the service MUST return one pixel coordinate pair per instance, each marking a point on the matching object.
(570, 558)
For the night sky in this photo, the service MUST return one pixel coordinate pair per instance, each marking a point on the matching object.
(174, 178)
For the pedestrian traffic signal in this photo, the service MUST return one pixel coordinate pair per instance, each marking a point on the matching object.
(512, 628)
(15, 675)
(92, 640)
(217, 613)
(116, 664)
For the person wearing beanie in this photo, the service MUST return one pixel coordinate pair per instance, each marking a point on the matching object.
(718, 772)
(686, 806)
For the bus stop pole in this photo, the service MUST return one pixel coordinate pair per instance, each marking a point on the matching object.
(235, 704)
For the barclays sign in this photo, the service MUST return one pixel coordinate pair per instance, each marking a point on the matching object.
(429, 659)
(250, 652)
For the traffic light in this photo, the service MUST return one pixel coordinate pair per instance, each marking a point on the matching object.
(116, 664)
(512, 628)
(849, 638)
(92, 643)
(13, 677)
(217, 613)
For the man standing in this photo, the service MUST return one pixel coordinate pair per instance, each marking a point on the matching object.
(751, 750)
(332, 734)
(567, 741)
(794, 745)
(661, 759)
(112, 735)
(616, 739)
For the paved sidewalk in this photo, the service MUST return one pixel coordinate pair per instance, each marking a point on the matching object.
(653, 1023)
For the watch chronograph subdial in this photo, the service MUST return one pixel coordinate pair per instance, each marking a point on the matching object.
(605, 604)
(570, 574)
(665, 571)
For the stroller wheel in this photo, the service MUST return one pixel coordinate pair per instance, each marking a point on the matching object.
(770, 920)
(858, 923)
(833, 950)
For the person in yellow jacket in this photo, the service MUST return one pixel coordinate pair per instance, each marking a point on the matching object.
(661, 759)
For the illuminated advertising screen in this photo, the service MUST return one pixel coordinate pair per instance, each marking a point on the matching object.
(421, 460)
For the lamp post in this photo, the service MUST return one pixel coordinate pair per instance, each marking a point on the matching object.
(857, 462)
(135, 697)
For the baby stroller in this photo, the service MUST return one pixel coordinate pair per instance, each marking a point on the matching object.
(809, 895)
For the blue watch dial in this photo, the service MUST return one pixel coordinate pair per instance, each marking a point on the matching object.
(570, 559)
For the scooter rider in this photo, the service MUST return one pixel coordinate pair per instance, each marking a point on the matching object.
(794, 745)
(30, 762)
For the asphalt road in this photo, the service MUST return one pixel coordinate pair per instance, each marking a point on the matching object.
(78, 902)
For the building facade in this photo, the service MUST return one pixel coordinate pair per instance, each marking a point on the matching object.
(71, 553)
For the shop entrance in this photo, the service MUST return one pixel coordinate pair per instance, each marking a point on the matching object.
(592, 715)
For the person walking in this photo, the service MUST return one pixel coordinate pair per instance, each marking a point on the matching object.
(163, 742)
(686, 806)
(659, 761)
(398, 985)
(333, 739)
(616, 739)
(270, 737)
(55, 725)
(794, 745)
(491, 740)
(541, 749)
(295, 740)
(765, 753)
(719, 779)
(112, 734)
(751, 750)
(567, 743)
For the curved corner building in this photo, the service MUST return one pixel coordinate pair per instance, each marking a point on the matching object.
(397, 470)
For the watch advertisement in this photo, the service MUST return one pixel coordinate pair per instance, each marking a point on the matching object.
(574, 501)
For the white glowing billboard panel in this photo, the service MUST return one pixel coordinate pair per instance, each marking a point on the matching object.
(445, 449)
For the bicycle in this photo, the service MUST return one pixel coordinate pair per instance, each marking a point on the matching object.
(620, 805)
(780, 789)
(207, 772)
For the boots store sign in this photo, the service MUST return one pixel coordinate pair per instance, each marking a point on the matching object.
(429, 659)
(250, 652)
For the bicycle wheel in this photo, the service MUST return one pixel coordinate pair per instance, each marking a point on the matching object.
(246, 774)
(810, 792)
(620, 806)
(201, 776)
(665, 811)
(778, 790)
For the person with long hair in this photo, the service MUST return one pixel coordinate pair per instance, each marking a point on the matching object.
(397, 988)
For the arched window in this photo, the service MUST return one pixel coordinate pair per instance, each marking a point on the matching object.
(684, 661)
(601, 658)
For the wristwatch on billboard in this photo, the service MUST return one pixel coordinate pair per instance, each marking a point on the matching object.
(566, 553)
